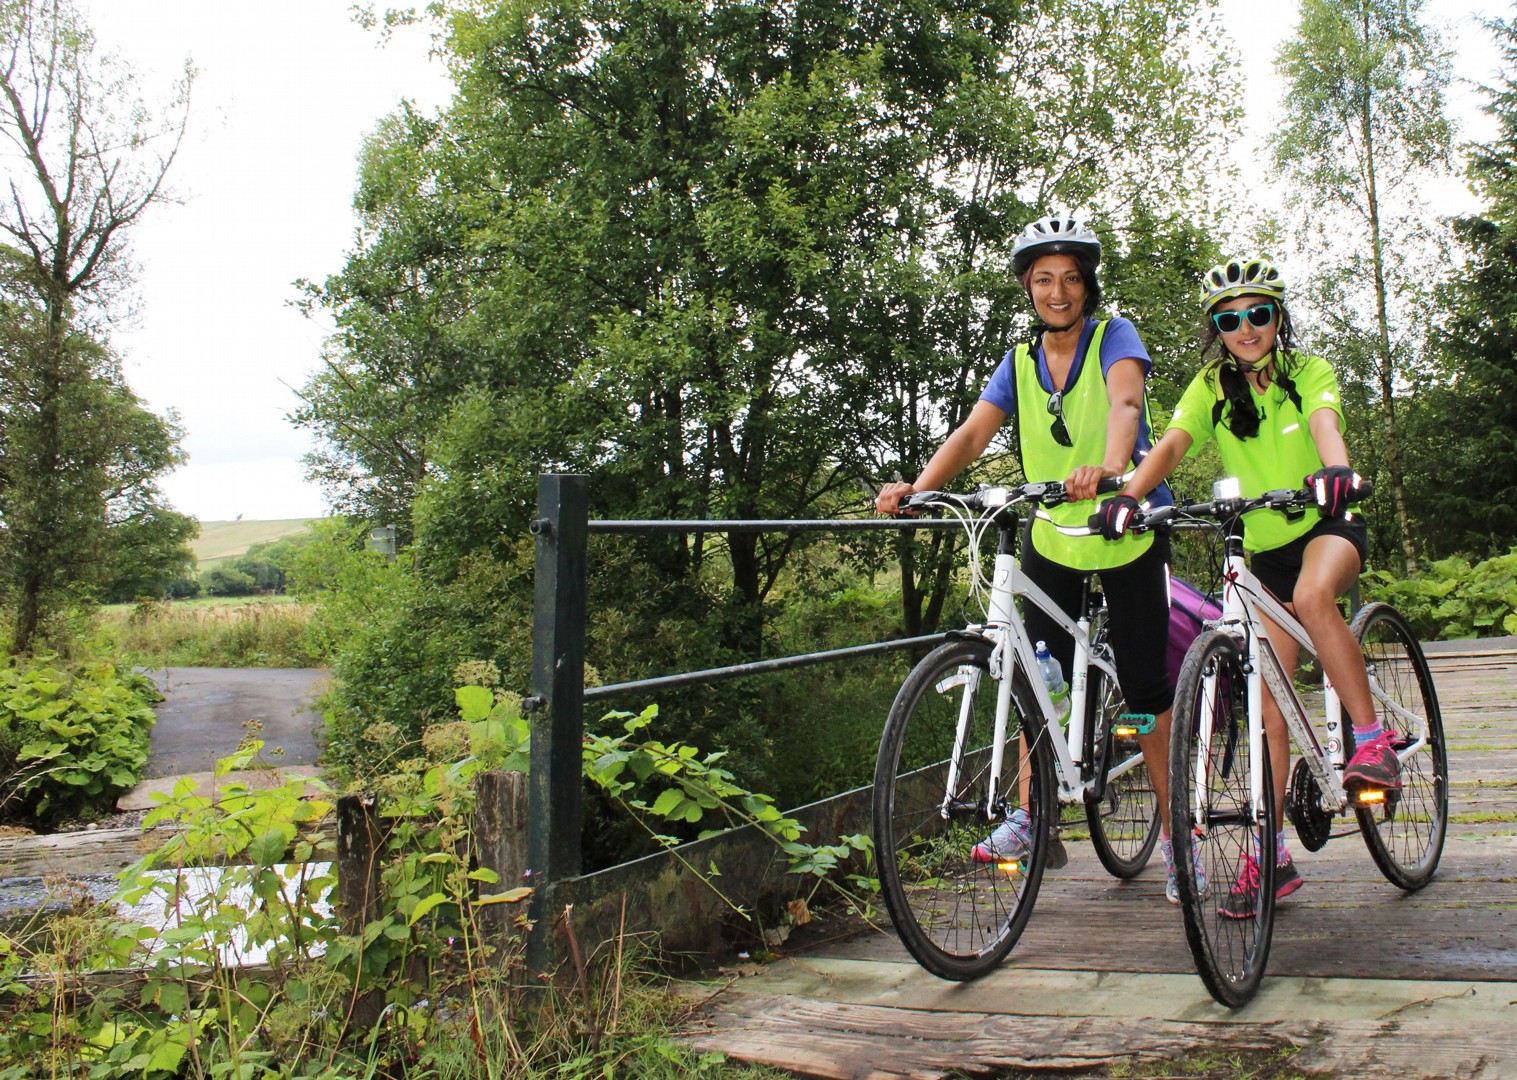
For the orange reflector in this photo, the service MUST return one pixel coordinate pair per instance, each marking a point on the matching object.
(1010, 869)
(1124, 732)
(1371, 795)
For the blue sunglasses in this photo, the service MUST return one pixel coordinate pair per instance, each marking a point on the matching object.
(1258, 316)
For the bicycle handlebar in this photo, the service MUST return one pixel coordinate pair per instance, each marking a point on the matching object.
(1285, 500)
(1044, 493)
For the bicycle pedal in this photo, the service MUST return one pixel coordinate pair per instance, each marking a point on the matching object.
(1133, 723)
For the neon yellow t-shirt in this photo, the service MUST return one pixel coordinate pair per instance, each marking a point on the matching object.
(1282, 455)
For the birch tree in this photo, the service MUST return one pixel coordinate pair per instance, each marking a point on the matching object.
(1364, 130)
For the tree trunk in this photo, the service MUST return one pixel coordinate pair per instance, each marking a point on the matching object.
(1385, 365)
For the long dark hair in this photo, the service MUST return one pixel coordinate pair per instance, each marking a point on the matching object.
(1237, 409)
(1087, 267)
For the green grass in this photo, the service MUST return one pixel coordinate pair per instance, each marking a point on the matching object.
(1201, 1065)
(220, 632)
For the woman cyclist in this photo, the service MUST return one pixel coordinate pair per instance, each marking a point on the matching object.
(1276, 416)
(1078, 394)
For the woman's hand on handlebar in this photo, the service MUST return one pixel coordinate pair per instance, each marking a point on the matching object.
(1113, 517)
(1089, 481)
(888, 501)
(1084, 481)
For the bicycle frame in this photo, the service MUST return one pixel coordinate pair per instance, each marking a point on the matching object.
(1007, 632)
(1245, 600)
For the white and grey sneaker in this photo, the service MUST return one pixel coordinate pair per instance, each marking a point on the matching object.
(1011, 840)
(1172, 886)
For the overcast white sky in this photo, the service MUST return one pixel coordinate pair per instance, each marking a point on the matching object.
(287, 89)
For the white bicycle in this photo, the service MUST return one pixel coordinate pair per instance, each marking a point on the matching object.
(1222, 798)
(973, 736)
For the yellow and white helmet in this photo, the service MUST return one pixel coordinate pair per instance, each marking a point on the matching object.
(1241, 277)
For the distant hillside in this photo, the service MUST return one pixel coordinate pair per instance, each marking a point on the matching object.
(228, 539)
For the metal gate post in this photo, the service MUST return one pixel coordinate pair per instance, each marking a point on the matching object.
(558, 698)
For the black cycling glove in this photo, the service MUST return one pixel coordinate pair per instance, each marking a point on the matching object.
(1335, 487)
(1115, 515)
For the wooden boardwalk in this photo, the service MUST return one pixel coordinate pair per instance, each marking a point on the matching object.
(1368, 981)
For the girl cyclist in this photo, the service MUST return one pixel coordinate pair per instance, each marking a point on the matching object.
(1077, 393)
(1276, 416)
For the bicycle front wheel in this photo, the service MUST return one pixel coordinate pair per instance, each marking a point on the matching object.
(1224, 838)
(1124, 820)
(1405, 834)
(959, 880)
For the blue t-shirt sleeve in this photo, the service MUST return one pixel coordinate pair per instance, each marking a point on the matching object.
(1122, 343)
(1001, 390)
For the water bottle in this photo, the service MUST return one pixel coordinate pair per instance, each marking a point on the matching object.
(1053, 678)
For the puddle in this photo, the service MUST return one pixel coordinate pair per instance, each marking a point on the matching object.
(179, 896)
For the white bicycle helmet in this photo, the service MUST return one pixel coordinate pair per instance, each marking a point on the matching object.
(1053, 236)
(1241, 277)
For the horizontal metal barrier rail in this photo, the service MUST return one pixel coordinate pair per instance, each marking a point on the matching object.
(745, 525)
(759, 667)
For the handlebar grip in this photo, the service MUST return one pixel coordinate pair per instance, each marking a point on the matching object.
(1110, 485)
(1366, 489)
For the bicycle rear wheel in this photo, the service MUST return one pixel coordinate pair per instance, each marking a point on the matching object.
(1124, 821)
(1224, 844)
(1405, 834)
(958, 917)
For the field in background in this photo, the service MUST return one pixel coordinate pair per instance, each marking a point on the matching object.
(264, 631)
(222, 540)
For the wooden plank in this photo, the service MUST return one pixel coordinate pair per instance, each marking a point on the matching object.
(864, 1042)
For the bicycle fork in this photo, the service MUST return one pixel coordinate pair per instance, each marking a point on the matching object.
(971, 678)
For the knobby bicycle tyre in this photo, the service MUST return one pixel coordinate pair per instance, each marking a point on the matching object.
(1405, 834)
(1224, 849)
(1124, 820)
(958, 917)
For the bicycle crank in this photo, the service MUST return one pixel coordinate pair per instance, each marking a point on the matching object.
(1303, 806)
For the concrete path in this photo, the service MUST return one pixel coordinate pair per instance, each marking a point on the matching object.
(206, 712)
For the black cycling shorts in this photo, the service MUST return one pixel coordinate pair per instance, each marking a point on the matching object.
(1279, 567)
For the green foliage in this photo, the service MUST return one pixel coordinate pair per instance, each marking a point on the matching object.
(395, 637)
(449, 997)
(746, 285)
(72, 736)
(226, 581)
(149, 554)
(1453, 599)
(668, 785)
(1364, 128)
(1464, 475)
(264, 568)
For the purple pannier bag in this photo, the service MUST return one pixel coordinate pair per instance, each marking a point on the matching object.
(1188, 606)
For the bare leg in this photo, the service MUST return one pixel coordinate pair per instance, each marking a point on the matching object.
(1328, 569)
(1155, 747)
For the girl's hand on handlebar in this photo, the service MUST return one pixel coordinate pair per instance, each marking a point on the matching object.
(1114, 516)
(1083, 482)
(1334, 487)
(888, 501)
